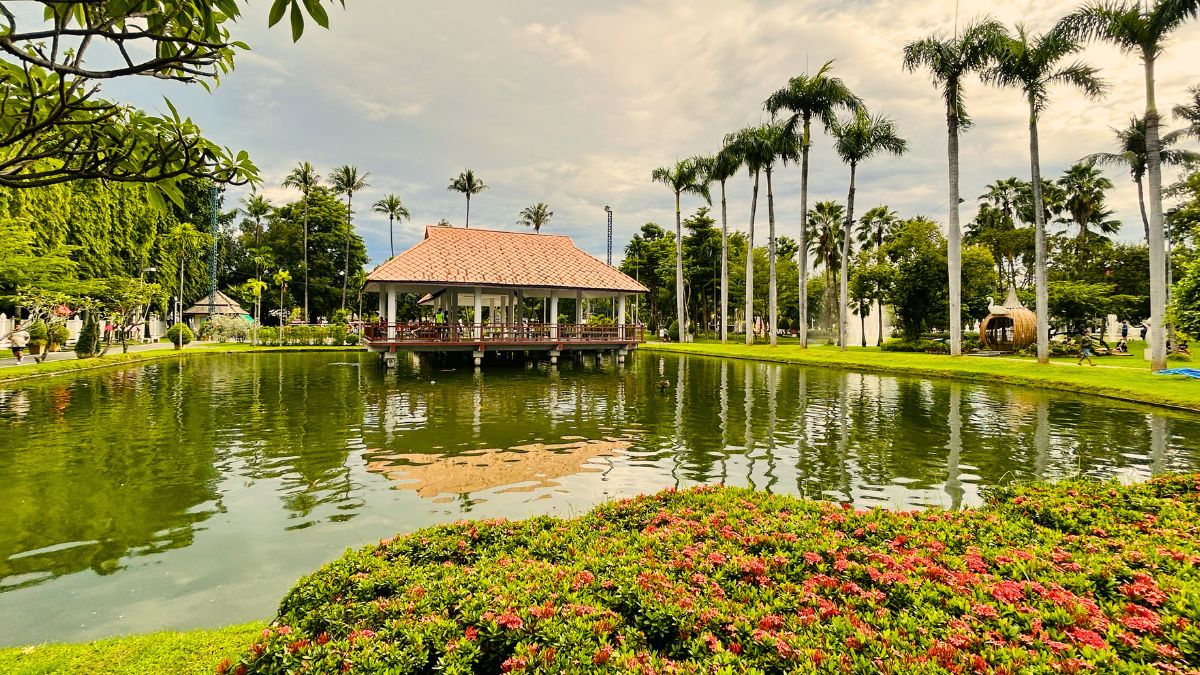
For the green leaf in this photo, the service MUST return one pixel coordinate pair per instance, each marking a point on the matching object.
(297, 21)
(277, 10)
(317, 12)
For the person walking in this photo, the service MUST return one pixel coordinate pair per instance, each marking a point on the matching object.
(1124, 330)
(1085, 349)
(18, 338)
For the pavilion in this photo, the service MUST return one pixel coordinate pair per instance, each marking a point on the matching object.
(219, 304)
(494, 273)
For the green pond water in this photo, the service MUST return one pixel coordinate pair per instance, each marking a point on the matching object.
(191, 493)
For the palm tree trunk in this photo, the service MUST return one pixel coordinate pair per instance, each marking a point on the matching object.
(305, 258)
(954, 236)
(179, 313)
(844, 282)
(1039, 236)
(1158, 265)
(803, 254)
(346, 259)
(879, 317)
(1142, 208)
(772, 291)
(750, 265)
(862, 322)
(391, 235)
(724, 269)
(680, 314)
(468, 226)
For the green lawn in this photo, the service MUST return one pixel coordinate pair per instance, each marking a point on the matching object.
(1122, 377)
(192, 653)
(115, 357)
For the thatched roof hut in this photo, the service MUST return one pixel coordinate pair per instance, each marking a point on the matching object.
(1009, 327)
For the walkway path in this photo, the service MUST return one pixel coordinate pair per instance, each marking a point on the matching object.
(61, 356)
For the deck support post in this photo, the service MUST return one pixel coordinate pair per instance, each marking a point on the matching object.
(391, 312)
(554, 354)
(478, 316)
(478, 358)
(553, 315)
(621, 354)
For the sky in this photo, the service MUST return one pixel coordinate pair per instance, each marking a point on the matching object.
(574, 103)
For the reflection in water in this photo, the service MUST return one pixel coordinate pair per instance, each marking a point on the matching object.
(173, 495)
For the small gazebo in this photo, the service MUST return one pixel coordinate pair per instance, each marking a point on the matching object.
(1008, 327)
(221, 305)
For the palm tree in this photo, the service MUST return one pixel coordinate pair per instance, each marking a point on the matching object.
(754, 151)
(394, 209)
(1131, 142)
(1142, 28)
(720, 168)
(684, 177)
(874, 227)
(948, 61)
(1084, 186)
(281, 279)
(468, 184)
(825, 243)
(304, 178)
(1190, 113)
(1003, 195)
(346, 181)
(857, 139)
(256, 207)
(807, 97)
(184, 239)
(536, 216)
(1031, 63)
(784, 146)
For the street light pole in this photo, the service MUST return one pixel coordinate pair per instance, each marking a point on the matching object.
(609, 212)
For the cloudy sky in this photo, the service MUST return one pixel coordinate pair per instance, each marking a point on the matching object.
(574, 103)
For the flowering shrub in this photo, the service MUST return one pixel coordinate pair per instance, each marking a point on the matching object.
(1071, 578)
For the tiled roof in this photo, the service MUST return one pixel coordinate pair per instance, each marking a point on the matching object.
(223, 305)
(459, 256)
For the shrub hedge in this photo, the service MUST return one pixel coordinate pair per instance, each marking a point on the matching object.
(1043, 579)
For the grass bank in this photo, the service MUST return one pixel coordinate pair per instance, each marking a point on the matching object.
(116, 358)
(191, 653)
(1124, 378)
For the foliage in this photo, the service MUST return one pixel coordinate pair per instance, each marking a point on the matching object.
(467, 184)
(1084, 575)
(308, 336)
(918, 288)
(180, 334)
(536, 216)
(57, 334)
(88, 344)
(919, 345)
(1185, 301)
(673, 331)
(224, 328)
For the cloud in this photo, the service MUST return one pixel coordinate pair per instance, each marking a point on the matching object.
(557, 40)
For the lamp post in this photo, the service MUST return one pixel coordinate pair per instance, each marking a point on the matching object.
(609, 212)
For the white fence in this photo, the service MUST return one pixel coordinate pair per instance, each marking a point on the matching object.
(150, 330)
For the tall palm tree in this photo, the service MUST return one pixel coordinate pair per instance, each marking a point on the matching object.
(184, 240)
(1032, 63)
(1131, 144)
(468, 184)
(784, 147)
(684, 177)
(394, 209)
(874, 227)
(256, 207)
(807, 97)
(825, 244)
(346, 181)
(1142, 28)
(949, 60)
(720, 168)
(859, 138)
(1003, 195)
(304, 178)
(1084, 186)
(536, 216)
(753, 149)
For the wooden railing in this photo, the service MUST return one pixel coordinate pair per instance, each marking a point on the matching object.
(411, 333)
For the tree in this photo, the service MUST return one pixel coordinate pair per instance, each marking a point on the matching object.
(468, 184)
(949, 60)
(254, 289)
(55, 127)
(346, 181)
(808, 97)
(1084, 187)
(651, 251)
(1131, 154)
(394, 209)
(755, 151)
(684, 177)
(23, 262)
(125, 299)
(304, 178)
(183, 241)
(256, 207)
(536, 216)
(281, 279)
(917, 290)
(721, 167)
(825, 244)
(1190, 113)
(855, 140)
(1031, 63)
(1142, 28)
(875, 227)
(870, 282)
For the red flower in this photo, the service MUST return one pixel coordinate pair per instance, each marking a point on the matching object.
(471, 633)
(1086, 637)
(510, 621)
(602, 655)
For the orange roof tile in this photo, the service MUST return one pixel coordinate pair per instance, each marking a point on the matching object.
(459, 256)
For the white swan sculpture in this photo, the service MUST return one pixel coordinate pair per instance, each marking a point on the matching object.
(993, 308)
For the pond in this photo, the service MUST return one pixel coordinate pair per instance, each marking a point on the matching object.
(189, 493)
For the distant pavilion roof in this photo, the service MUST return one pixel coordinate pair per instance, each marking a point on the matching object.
(223, 305)
(450, 256)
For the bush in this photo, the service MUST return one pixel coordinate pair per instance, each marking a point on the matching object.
(673, 331)
(180, 335)
(914, 346)
(340, 316)
(225, 328)
(1077, 577)
(88, 344)
(58, 334)
(38, 333)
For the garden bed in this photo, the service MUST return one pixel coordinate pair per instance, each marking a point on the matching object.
(1069, 578)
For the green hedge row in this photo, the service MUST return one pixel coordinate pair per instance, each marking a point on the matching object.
(1072, 578)
(308, 336)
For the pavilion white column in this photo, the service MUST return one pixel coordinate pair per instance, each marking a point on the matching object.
(382, 304)
(478, 313)
(391, 312)
(621, 316)
(578, 306)
(553, 315)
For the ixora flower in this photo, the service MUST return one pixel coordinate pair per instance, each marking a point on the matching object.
(1074, 578)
